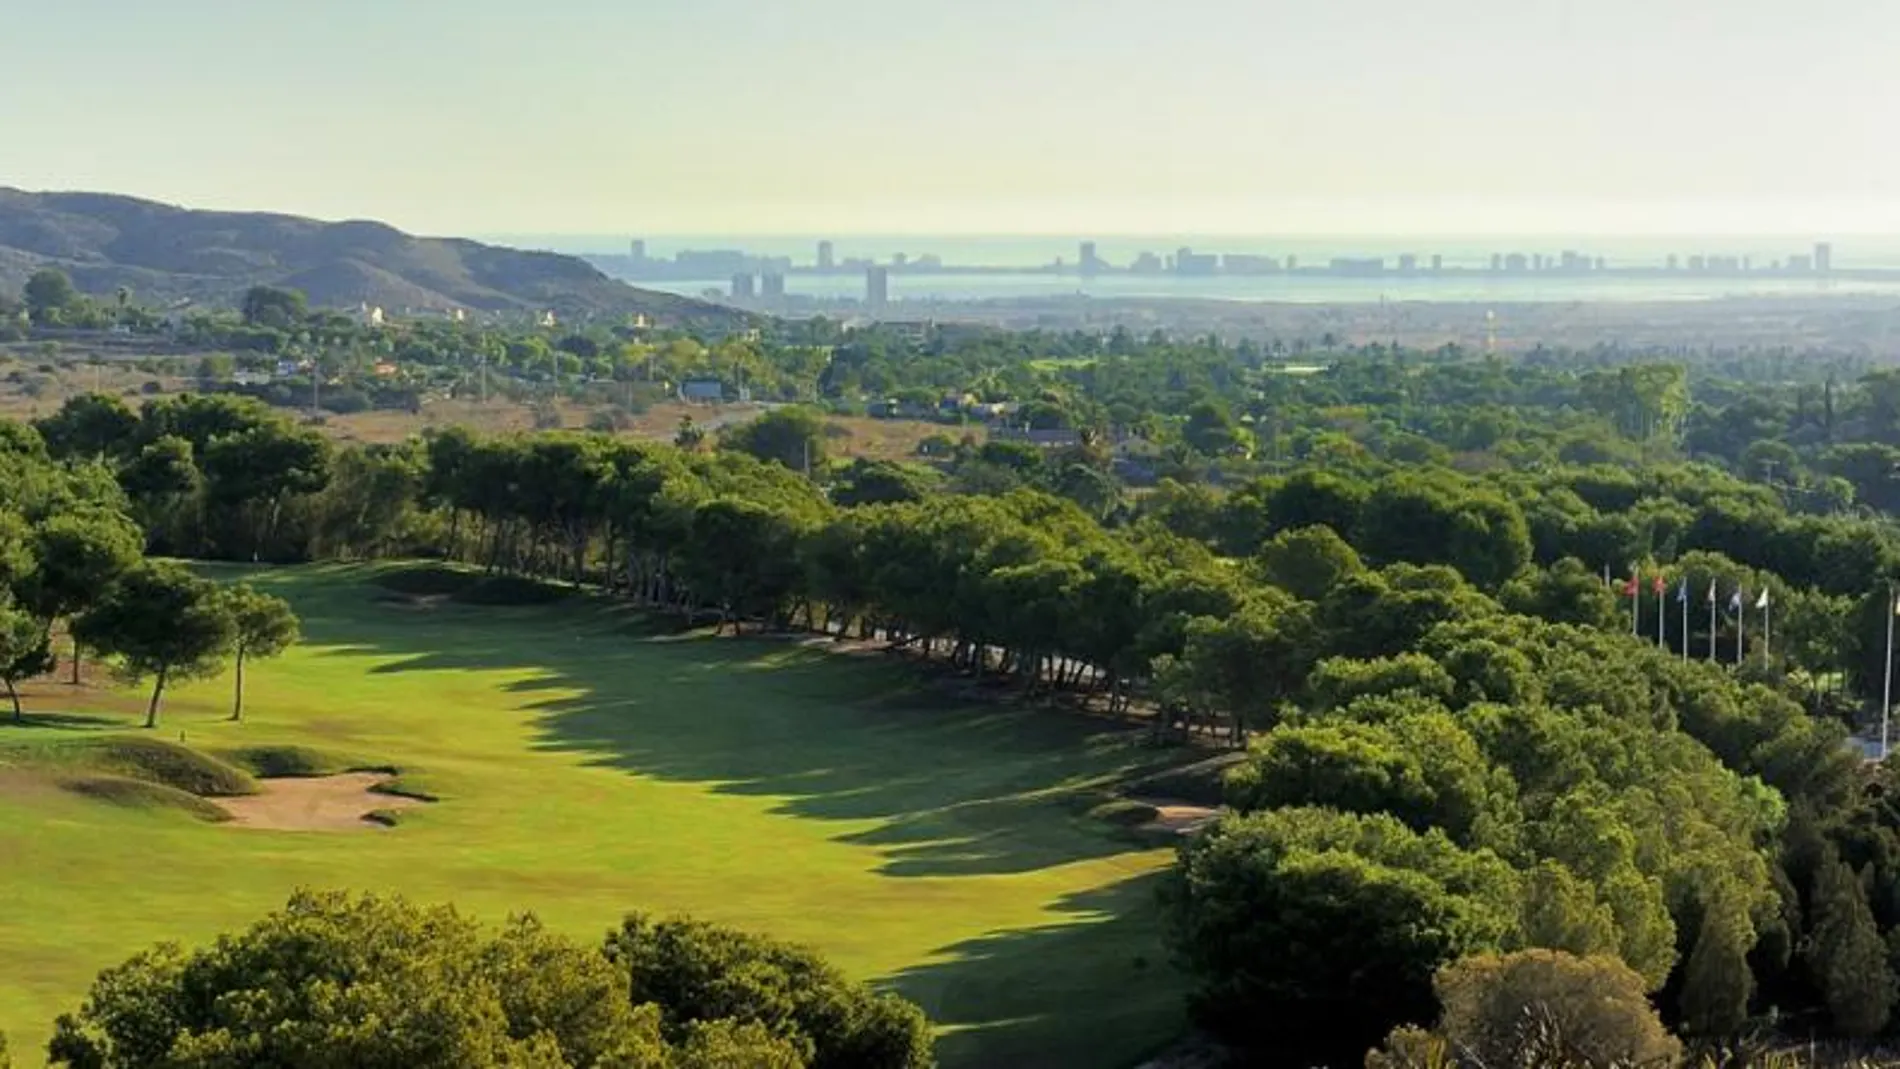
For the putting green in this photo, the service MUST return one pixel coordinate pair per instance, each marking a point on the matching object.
(588, 767)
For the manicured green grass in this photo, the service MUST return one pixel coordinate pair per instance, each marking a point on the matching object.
(589, 765)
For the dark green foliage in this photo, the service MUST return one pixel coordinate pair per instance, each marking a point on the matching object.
(1308, 562)
(790, 437)
(697, 972)
(1847, 956)
(161, 622)
(1310, 915)
(292, 990)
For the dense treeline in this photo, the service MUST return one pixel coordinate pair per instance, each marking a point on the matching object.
(1457, 748)
(375, 982)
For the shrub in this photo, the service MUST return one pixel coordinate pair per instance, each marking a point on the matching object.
(332, 980)
(699, 972)
(1546, 1007)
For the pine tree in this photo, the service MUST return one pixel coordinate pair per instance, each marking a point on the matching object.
(1847, 957)
(1717, 983)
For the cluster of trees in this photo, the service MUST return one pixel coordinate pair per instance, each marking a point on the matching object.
(379, 983)
(71, 558)
(1395, 585)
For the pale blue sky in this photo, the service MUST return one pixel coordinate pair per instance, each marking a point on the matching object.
(986, 116)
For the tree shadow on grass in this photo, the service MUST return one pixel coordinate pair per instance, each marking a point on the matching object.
(951, 787)
(999, 1003)
(65, 722)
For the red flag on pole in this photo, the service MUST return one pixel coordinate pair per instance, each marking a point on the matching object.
(1630, 588)
(1659, 585)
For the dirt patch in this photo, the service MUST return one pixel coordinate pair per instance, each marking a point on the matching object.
(322, 803)
(1176, 817)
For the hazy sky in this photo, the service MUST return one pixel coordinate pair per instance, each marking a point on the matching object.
(988, 116)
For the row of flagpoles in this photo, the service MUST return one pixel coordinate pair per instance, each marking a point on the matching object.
(1738, 601)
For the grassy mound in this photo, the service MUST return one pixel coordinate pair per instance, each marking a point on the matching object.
(1124, 813)
(147, 760)
(288, 762)
(1196, 784)
(427, 581)
(140, 794)
(468, 587)
(406, 787)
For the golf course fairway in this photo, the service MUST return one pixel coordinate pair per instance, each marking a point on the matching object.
(586, 765)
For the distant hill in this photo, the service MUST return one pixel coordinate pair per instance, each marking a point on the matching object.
(165, 254)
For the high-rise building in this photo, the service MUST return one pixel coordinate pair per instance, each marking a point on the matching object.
(1408, 262)
(1823, 257)
(1086, 259)
(772, 286)
(877, 285)
(1438, 263)
(827, 256)
(1497, 261)
(1675, 261)
(1189, 262)
(637, 249)
(742, 287)
(899, 259)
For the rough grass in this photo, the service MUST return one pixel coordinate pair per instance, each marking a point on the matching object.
(468, 587)
(930, 843)
(289, 761)
(140, 794)
(1124, 813)
(144, 759)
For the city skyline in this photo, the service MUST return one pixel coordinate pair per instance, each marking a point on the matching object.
(1484, 117)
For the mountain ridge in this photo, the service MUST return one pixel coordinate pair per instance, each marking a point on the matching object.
(168, 253)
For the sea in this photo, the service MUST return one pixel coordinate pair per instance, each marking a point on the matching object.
(1023, 252)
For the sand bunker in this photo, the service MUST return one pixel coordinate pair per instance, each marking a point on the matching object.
(1180, 818)
(323, 803)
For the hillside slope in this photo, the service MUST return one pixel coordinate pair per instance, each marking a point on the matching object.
(166, 253)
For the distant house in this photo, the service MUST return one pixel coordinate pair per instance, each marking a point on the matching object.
(384, 369)
(1049, 439)
(702, 391)
(548, 321)
(368, 315)
(251, 378)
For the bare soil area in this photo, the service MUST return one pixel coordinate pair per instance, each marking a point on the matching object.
(1176, 817)
(324, 803)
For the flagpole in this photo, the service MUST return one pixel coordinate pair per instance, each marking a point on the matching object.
(1711, 621)
(1662, 614)
(1764, 631)
(1886, 684)
(1741, 625)
(1684, 598)
(1636, 601)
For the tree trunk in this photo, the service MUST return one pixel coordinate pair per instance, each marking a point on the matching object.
(237, 700)
(75, 659)
(151, 711)
(19, 714)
